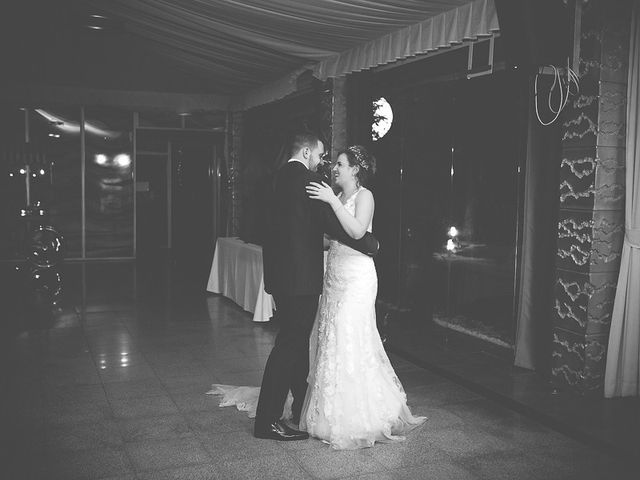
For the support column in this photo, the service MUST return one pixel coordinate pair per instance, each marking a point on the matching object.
(339, 116)
(591, 214)
(234, 195)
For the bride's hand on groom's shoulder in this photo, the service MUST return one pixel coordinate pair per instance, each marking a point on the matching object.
(321, 191)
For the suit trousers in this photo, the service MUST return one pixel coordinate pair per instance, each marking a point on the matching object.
(288, 365)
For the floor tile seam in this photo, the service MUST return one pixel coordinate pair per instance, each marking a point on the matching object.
(145, 471)
(137, 473)
(120, 418)
(201, 437)
(102, 383)
(155, 372)
(235, 357)
(135, 396)
(328, 448)
(521, 408)
(290, 453)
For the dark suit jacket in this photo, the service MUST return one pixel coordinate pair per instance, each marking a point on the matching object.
(293, 248)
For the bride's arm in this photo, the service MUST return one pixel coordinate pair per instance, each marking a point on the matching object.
(355, 226)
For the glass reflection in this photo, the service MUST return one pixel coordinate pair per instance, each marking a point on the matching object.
(41, 166)
(458, 202)
(109, 182)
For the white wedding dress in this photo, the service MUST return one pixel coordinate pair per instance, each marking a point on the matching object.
(354, 397)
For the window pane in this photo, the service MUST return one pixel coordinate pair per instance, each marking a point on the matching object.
(12, 183)
(57, 130)
(456, 147)
(52, 156)
(109, 182)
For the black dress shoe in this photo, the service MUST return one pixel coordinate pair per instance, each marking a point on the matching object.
(279, 431)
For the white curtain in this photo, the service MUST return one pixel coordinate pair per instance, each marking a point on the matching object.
(622, 375)
(464, 23)
(252, 49)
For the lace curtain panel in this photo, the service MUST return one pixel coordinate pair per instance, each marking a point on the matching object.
(622, 375)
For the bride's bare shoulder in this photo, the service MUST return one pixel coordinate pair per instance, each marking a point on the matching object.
(365, 195)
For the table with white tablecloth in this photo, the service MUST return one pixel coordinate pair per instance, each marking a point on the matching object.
(236, 273)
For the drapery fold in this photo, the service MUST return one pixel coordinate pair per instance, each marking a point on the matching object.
(251, 48)
(464, 23)
(622, 374)
(539, 225)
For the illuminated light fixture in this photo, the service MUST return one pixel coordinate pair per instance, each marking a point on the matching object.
(11, 174)
(100, 159)
(22, 171)
(54, 135)
(453, 244)
(383, 118)
(95, 27)
(98, 16)
(122, 160)
(42, 171)
(74, 127)
(33, 175)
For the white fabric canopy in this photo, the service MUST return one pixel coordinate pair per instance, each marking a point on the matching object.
(467, 22)
(251, 48)
(622, 375)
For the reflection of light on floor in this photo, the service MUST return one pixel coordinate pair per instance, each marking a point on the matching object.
(458, 324)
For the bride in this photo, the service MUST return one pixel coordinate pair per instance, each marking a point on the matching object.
(354, 397)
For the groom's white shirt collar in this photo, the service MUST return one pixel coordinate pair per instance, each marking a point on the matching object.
(299, 161)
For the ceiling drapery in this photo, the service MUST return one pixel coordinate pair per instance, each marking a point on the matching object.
(466, 22)
(253, 48)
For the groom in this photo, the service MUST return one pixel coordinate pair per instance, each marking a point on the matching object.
(293, 270)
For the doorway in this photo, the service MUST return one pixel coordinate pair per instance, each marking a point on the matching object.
(454, 152)
(178, 193)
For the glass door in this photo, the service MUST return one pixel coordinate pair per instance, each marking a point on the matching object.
(453, 149)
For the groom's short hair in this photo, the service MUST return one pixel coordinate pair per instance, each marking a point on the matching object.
(303, 139)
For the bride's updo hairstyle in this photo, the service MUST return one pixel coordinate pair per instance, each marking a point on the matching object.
(357, 155)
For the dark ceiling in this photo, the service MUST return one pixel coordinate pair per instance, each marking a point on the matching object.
(49, 42)
(223, 47)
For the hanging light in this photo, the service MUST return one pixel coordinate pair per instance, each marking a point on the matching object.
(452, 245)
(122, 160)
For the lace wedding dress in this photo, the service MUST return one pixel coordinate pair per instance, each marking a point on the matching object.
(354, 397)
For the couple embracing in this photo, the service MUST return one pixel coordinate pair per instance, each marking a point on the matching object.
(327, 353)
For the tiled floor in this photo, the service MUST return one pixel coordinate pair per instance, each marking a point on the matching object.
(611, 425)
(113, 387)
